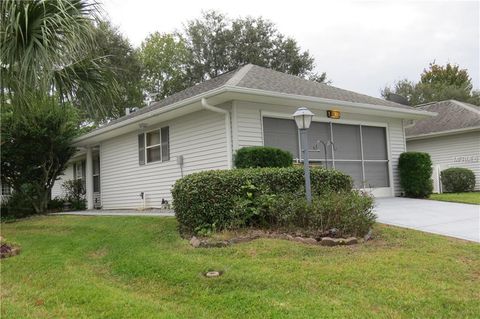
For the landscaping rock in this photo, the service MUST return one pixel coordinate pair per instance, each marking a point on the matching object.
(311, 241)
(340, 241)
(351, 241)
(299, 239)
(289, 237)
(195, 242)
(328, 241)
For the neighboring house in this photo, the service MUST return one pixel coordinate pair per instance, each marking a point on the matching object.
(452, 138)
(132, 162)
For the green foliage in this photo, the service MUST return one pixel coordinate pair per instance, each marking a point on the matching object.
(208, 200)
(48, 46)
(415, 170)
(349, 212)
(262, 156)
(165, 58)
(123, 62)
(16, 206)
(437, 83)
(218, 44)
(457, 180)
(75, 194)
(36, 144)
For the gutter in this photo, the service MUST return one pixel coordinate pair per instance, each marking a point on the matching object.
(228, 127)
(148, 114)
(242, 90)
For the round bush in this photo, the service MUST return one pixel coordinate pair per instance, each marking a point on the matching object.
(207, 201)
(456, 180)
(415, 170)
(262, 156)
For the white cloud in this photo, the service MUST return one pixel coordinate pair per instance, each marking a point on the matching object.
(361, 45)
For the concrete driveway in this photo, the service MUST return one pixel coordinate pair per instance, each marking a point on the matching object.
(444, 218)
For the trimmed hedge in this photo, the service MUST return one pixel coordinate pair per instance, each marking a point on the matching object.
(456, 180)
(206, 201)
(415, 170)
(262, 156)
(349, 212)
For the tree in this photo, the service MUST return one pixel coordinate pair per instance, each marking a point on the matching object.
(36, 136)
(165, 58)
(218, 44)
(47, 46)
(436, 83)
(123, 62)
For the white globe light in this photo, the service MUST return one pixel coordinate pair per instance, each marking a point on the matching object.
(303, 118)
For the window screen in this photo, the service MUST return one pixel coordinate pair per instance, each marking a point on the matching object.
(376, 174)
(319, 132)
(282, 134)
(347, 142)
(354, 169)
(374, 143)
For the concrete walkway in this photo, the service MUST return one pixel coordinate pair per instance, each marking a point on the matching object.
(121, 212)
(444, 218)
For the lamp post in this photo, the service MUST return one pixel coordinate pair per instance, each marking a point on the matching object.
(303, 118)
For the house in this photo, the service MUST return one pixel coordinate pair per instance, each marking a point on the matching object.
(132, 162)
(452, 138)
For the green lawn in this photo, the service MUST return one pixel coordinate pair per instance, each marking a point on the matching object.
(138, 267)
(468, 198)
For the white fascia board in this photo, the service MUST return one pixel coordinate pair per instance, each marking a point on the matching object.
(94, 136)
(139, 118)
(352, 106)
(443, 133)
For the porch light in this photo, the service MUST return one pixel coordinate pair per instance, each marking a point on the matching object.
(303, 118)
(333, 114)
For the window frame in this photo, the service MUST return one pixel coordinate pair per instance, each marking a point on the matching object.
(159, 145)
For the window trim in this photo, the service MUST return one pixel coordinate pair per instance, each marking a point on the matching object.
(145, 148)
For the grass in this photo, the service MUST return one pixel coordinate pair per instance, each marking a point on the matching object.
(138, 267)
(467, 198)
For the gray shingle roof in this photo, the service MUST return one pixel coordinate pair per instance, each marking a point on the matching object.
(452, 115)
(256, 77)
(266, 79)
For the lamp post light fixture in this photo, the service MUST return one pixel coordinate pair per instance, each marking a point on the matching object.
(303, 118)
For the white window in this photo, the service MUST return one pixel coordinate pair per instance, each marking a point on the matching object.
(154, 146)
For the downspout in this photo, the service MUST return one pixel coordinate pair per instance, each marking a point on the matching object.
(228, 127)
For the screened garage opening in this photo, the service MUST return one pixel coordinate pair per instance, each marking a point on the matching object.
(357, 150)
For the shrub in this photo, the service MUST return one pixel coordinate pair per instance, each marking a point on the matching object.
(262, 156)
(210, 200)
(75, 194)
(56, 204)
(350, 212)
(456, 180)
(16, 206)
(415, 171)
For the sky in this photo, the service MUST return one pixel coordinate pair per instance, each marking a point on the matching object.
(362, 45)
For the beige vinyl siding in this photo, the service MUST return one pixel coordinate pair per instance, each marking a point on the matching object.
(200, 137)
(57, 189)
(248, 118)
(444, 149)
